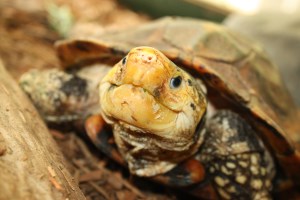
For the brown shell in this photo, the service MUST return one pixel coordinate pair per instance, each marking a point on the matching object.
(236, 71)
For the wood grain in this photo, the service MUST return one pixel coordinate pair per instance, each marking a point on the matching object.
(31, 165)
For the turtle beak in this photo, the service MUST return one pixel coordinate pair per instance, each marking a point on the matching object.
(143, 67)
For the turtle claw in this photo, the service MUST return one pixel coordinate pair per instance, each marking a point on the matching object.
(93, 125)
(190, 175)
(102, 137)
(187, 173)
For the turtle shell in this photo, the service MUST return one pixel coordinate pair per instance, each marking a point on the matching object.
(236, 71)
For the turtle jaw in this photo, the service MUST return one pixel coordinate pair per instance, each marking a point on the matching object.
(135, 108)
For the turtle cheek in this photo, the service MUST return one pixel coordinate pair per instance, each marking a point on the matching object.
(173, 101)
(173, 98)
(179, 99)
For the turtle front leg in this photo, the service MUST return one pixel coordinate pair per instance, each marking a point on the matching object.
(102, 137)
(185, 174)
(236, 160)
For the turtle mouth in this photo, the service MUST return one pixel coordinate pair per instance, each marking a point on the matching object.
(136, 108)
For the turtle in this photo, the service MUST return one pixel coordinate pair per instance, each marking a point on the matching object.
(191, 103)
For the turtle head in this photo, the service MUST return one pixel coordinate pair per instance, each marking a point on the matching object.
(154, 106)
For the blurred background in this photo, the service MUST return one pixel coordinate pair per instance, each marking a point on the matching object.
(28, 30)
(274, 23)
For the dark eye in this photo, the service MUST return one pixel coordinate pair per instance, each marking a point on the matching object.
(124, 60)
(175, 82)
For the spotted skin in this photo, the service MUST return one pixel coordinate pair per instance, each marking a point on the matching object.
(64, 96)
(236, 161)
(51, 90)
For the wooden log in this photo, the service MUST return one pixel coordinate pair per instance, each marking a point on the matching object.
(31, 165)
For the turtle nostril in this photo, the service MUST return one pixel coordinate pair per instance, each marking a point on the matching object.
(146, 57)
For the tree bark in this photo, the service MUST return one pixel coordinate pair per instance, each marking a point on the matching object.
(31, 165)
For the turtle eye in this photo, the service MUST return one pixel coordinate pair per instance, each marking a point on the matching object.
(124, 60)
(175, 82)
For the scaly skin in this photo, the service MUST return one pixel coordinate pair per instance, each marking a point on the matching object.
(156, 125)
(61, 96)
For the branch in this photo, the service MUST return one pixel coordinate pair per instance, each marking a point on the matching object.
(31, 165)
